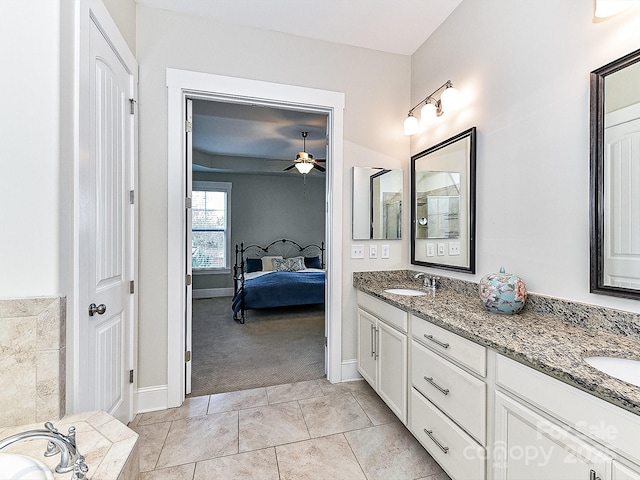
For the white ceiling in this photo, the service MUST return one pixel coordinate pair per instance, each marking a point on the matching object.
(395, 26)
(237, 136)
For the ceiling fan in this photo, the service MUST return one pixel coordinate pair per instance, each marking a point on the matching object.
(304, 161)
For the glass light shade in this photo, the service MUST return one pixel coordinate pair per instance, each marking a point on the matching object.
(449, 99)
(303, 167)
(607, 8)
(428, 114)
(410, 125)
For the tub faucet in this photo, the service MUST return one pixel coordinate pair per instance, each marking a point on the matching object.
(70, 457)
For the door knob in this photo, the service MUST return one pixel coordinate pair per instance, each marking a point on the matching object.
(100, 309)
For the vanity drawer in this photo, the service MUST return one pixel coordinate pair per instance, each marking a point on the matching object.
(393, 316)
(457, 393)
(467, 353)
(464, 458)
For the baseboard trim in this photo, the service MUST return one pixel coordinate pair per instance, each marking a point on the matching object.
(212, 292)
(350, 371)
(151, 399)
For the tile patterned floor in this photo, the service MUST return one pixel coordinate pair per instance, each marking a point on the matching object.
(299, 431)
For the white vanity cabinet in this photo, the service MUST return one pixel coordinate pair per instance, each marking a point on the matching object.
(544, 428)
(382, 351)
(448, 399)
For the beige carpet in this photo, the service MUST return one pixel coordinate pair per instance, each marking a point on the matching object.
(273, 347)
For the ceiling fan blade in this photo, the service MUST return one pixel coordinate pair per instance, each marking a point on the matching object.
(289, 167)
(322, 169)
(320, 159)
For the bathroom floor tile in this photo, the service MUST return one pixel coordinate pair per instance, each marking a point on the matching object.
(375, 408)
(319, 459)
(272, 425)
(150, 442)
(180, 472)
(294, 391)
(255, 465)
(333, 414)
(226, 402)
(192, 407)
(329, 388)
(200, 438)
(390, 451)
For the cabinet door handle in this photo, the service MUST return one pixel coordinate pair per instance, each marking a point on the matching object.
(377, 341)
(592, 475)
(431, 381)
(430, 433)
(437, 342)
(373, 351)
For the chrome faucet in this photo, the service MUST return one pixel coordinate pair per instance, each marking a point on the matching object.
(65, 445)
(428, 282)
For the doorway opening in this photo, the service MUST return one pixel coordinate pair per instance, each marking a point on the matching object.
(183, 84)
(244, 192)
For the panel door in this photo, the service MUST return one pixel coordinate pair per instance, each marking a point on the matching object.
(392, 369)
(106, 225)
(530, 447)
(366, 346)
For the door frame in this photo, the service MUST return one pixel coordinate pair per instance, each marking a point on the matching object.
(182, 84)
(89, 11)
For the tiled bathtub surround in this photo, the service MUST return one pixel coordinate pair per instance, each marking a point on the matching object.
(550, 335)
(32, 360)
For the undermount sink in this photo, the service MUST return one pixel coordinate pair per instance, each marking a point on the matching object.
(620, 368)
(20, 467)
(405, 291)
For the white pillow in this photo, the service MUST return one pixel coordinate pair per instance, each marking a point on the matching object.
(267, 265)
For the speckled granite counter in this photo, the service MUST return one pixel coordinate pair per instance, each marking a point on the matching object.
(550, 335)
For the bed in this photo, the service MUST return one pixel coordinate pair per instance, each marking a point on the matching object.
(283, 273)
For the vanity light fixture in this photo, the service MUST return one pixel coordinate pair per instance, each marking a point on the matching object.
(433, 107)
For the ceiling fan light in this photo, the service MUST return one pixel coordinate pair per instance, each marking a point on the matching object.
(304, 167)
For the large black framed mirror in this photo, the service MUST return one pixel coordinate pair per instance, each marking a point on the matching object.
(443, 204)
(615, 178)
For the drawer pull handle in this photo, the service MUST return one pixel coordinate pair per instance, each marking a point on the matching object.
(592, 475)
(430, 433)
(437, 342)
(443, 390)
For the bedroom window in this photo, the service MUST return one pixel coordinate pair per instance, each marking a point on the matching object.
(210, 226)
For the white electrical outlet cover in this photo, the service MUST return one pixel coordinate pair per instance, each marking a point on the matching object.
(385, 251)
(430, 250)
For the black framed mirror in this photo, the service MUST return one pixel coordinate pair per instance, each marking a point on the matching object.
(443, 204)
(615, 178)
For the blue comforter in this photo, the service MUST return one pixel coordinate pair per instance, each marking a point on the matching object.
(279, 289)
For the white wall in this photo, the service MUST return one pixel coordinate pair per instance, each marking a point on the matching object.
(376, 86)
(522, 69)
(123, 13)
(29, 159)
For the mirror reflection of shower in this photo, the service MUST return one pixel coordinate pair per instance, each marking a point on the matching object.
(377, 203)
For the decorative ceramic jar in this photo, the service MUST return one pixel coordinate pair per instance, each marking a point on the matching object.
(502, 292)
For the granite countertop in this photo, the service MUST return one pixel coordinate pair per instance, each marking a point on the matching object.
(550, 338)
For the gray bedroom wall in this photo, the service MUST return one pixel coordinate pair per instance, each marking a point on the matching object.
(265, 208)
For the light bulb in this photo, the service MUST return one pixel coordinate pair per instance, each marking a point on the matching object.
(410, 125)
(304, 167)
(449, 99)
(428, 114)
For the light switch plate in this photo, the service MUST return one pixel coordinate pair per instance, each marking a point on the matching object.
(373, 251)
(384, 253)
(441, 249)
(430, 250)
(357, 251)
